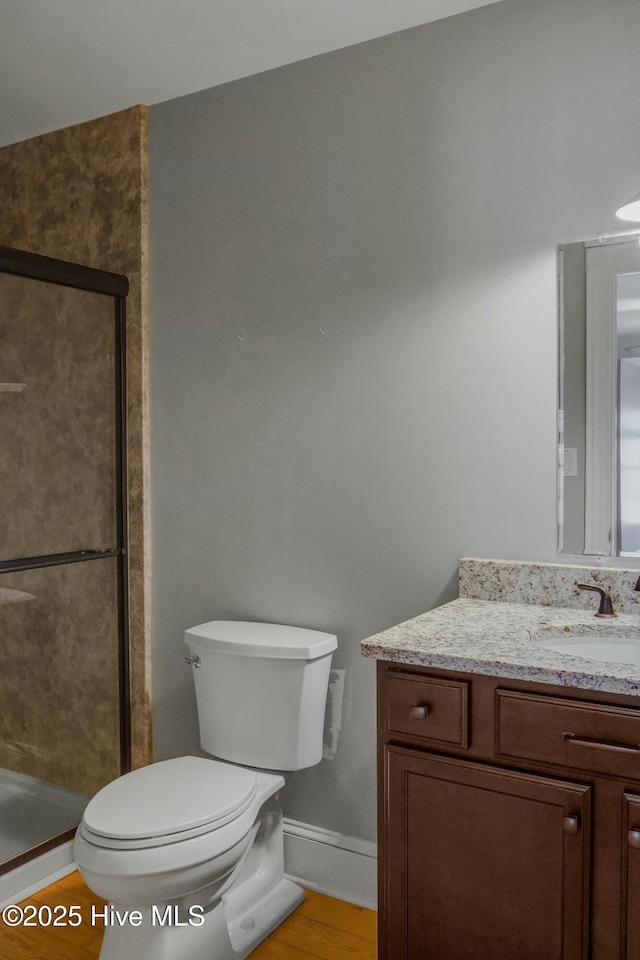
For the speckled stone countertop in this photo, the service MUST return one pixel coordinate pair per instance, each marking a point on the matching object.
(498, 638)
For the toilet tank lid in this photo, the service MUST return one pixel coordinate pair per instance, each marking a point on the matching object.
(268, 640)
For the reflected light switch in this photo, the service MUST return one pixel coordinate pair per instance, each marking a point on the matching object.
(570, 462)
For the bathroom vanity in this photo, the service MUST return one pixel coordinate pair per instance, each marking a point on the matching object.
(509, 779)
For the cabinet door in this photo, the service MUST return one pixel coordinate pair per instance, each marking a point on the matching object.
(482, 862)
(630, 878)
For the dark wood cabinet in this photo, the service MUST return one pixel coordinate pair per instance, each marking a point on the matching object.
(509, 820)
(630, 949)
(487, 863)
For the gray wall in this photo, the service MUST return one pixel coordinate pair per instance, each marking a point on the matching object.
(405, 196)
(573, 336)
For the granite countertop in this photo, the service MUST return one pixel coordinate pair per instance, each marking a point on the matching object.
(497, 638)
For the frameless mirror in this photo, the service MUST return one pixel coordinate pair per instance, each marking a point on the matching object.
(599, 397)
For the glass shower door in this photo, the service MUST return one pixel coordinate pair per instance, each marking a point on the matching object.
(63, 639)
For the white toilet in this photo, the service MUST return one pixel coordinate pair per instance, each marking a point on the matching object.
(189, 851)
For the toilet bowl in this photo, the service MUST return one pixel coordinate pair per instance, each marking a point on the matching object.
(189, 851)
(170, 829)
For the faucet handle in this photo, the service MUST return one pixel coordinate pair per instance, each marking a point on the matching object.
(605, 610)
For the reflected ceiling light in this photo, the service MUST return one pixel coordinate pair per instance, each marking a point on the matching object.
(630, 210)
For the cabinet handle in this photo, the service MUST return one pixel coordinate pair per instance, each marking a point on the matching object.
(633, 838)
(601, 744)
(571, 825)
(418, 713)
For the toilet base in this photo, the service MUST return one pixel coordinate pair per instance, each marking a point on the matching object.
(248, 928)
(224, 934)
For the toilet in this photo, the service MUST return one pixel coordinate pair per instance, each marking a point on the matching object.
(189, 851)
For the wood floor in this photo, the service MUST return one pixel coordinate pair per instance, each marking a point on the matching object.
(320, 929)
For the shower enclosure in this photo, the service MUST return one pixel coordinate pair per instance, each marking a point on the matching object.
(64, 702)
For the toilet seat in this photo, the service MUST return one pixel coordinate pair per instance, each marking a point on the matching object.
(168, 802)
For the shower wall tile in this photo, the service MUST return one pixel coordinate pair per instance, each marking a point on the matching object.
(60, 648)
(57, 433)
(81, 194)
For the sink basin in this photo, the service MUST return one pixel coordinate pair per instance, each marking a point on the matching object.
(613, 648)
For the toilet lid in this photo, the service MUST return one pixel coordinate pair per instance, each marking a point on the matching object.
(170, 797)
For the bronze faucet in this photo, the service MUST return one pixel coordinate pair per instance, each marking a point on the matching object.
(605, 610)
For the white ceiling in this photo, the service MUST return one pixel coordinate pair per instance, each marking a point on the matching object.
(65, 61)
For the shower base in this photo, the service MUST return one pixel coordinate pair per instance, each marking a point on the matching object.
(34, 811)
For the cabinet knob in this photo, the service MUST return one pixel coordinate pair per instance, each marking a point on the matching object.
(633, 837)
(418, 713)
(571, 825)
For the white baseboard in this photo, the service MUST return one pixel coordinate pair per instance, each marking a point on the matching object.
(342, 867)
(36, 874)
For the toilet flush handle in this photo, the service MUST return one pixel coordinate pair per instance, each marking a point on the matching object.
(194, 661)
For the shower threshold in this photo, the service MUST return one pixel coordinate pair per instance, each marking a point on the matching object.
(33, 811)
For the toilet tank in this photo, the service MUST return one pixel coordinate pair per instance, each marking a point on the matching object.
(261, 690)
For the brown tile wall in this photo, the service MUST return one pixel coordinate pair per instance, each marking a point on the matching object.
(59, 633)
(57, 433)
(81, 194)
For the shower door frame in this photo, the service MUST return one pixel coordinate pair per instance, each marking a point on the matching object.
(50, 270)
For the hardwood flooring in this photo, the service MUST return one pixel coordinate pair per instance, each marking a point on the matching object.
(320, 929)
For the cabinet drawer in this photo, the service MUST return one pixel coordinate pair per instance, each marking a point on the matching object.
(432, 709)
(587, 736)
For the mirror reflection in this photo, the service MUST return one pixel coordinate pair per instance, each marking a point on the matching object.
(599, 397)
